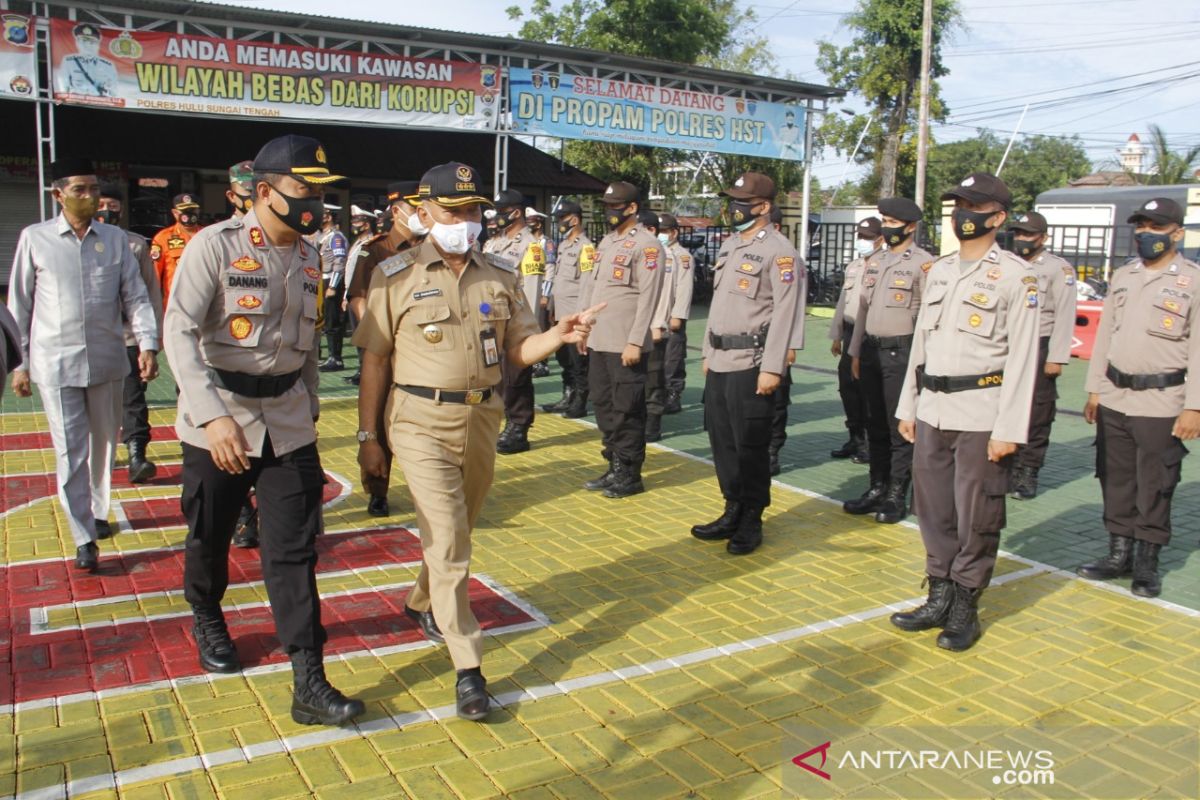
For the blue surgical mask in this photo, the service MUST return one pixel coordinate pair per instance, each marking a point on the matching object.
(664, 239)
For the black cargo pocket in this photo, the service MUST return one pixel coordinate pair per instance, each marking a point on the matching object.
(989, 514)
(1172, 461)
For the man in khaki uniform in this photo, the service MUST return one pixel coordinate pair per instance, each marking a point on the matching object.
(516, 243)
(575, 258)
(965, 404)
(440, 318)
(628, 277)
(783, 395)
(747, 344)
(241, 336)
(660, 328)
(1143, 387)
(879, 347)
(683, 284)
(868, 245)
(1056, 281)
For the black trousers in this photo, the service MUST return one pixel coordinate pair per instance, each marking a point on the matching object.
(882, 377)
(574, 368)
(738, 422)
(335, 321)
(1045, 405)
(779, 417)
(289, 499)
(656, 378)
(516, 389)
(675, 365)
(135, 422)
(959, 499)
(619, 397)
(854, 402)
(1139, 464)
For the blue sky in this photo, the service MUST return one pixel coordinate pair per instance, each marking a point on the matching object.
(1012, 51)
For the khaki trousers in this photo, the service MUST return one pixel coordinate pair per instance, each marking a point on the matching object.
(447, 452)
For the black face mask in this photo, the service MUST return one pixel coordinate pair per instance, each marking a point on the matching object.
(742, 213)
(895, 234)
(503, 221)
(613, 217)
(386, 225)
(242, 202)
(303, 214)
(1151, 246)
(108, 216)
(970, 224)
(1025, 247)
(565, 227)
(359, 229)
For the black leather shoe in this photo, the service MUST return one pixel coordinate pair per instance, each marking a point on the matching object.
(933, 613)
(103, 529)
(748, 535)
(870, 501)
(426, 623)
(314, 700)
(472, 697)
(332, 364)
(723, 526)
(517, 441)
(1117, 564)
(962, 627)
(87, 557)
(217, 653)
(1146, 582)
(140, 470)
(1024, 484)
(353, 379)
(377, 506)
(846, 450)
(862, 456)
(895, 504)
(245, 533)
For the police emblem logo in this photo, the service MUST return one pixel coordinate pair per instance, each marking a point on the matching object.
(968, 227)
(463, 173)
(249, 301)
(20, 85)
(738, 216)
(240, 328)
(256, 237)
(187, 198)
(975, 320)
(787, 275)
(176, 243)
(320, 154)
(1031, 297)
(1158, 247)
(994, 274)
(650, 257)
(629, 244)
(155, 252)
(1152, 205)
(306, 218)
(618, 274)
(746, 267)
(554, 78)
(898, 297)
(125, 46)
(313, 273)
(979, 299)
(537, 80)
(785, 262)
(99, 247)
(246, 264)
(968, 182)
(1170, 305)
(432, 334)
(487, 77)
(740, 182)
(16, 30)
(743, 284)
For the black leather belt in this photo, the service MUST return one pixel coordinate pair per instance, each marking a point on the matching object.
(959, 383)
(253, 385)
(471, 397)
(1124, 380)
(741, 341)
(888, 342)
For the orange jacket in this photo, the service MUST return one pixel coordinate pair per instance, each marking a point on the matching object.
(165, 250)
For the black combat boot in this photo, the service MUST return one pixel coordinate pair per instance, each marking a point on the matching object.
(1023, 484)
(626, 481)
(541, 370)
(605, 480)
(578, 407)
(1146, 582)
(562, 404)
(723, 526)
(217, 653)
(1117, 564)
(849, 448)
(141, 469)
(934, 612)
(870, 501)
(674, 402)
(314, 700)
(653, 428)
(517, 441)
(245, 532)
(863, 454)
(504, 434)
(895, 504)
(748, 535)
(962, 628)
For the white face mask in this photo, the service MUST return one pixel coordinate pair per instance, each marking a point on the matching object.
(416, 226)
(457, 238)
(665, 238)
(864, 247)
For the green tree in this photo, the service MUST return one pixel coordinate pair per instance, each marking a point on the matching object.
(882, 64)
(1171, 166)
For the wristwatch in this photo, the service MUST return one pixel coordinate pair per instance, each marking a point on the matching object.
(367, 436)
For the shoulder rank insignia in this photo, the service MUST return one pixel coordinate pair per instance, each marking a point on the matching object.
(926, 266)
(500, 262)
(397, 263)
(256, 237)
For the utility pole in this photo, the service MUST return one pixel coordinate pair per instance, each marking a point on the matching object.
(923, 113)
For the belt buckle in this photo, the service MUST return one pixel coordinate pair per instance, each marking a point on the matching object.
(473, 397)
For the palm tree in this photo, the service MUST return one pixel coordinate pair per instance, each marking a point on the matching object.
(1172, 167)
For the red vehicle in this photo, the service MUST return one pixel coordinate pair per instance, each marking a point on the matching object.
(1087, 320)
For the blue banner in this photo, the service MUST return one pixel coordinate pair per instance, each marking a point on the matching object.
(604, 110)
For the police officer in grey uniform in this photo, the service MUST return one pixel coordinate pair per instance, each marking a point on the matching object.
(241, 336)
(628, 277)
(516, 243)
(965, 404)
(576, 256)
(135, 422)
(783, 395)
(868, 247)
(660, 325)
(333, 249)
(751, 327)
(1056, 281)
(73, 282)
(879, 348)
(87, 72)
(1144, 395)
(684, 284)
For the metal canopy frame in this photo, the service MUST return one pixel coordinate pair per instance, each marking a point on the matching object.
(304, 30)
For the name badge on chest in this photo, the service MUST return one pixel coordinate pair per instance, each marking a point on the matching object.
(491, 352)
